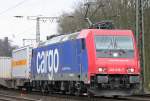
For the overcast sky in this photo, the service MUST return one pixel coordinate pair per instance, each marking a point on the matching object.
(18, 28)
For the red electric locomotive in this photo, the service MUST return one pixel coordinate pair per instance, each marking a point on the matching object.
(100, 61)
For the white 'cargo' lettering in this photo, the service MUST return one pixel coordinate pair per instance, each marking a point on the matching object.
(42, 63)
(56, 63)
(47, 62)
(37, 63)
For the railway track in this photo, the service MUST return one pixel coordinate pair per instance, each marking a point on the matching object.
(85, 98)
(4, 97)
(127, 98)
(7, 96)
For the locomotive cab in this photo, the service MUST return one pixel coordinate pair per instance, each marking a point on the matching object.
(113, 59)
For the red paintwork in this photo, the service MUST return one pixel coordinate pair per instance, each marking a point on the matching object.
(113, 65)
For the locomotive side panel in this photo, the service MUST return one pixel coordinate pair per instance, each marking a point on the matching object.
(59, 62)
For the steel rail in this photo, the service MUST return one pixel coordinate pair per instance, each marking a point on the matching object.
(4, 97)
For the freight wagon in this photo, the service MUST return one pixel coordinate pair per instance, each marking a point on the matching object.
(5, 71)
(21, 61)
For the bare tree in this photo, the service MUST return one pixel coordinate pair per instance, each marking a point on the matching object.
(6, 48)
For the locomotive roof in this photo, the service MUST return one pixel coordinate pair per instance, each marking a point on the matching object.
(85, 32)
(113, 32)
(61, 38)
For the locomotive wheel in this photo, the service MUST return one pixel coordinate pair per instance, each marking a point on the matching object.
(71, 91)
(44, 90)
(90, 94)
(78, 92)
(115, 96)
(63, 92)
(29, 89)
(71, 88)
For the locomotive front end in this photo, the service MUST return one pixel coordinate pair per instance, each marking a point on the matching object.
(117, 67)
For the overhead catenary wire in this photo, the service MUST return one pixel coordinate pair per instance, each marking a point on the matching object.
(13, 7)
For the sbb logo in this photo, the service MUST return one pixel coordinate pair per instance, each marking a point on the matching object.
(47, 62)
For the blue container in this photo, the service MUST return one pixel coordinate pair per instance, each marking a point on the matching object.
(60, 61)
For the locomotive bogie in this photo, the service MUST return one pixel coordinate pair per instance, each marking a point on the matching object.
(116, 81)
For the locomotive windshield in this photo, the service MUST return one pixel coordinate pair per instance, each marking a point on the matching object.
(114, 46)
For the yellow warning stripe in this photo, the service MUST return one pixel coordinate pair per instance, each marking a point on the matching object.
(19, 63)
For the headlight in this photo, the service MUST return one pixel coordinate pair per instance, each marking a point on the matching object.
(102, 69)
(130, 70)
